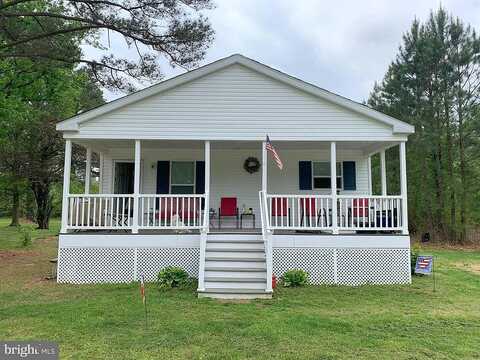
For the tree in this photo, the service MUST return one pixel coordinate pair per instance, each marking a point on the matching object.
(31, 150)
(434, 84)
(174, 29)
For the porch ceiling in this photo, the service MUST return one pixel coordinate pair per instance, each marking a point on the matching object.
(104, 145)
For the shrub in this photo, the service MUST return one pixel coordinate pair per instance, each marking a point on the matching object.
(413, 259)
(172, 277)
(295, 277)
(26, 236)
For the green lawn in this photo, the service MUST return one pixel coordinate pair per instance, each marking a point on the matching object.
(106, 321)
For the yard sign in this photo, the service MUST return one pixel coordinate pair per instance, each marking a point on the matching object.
(424, 265)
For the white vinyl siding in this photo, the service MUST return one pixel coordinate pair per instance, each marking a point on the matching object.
(232, 104)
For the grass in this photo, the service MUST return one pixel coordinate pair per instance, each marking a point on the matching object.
(327, 322)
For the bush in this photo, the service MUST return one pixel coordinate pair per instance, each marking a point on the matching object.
(295, 277)
(413, 259)
(26, 236)
(172, 277)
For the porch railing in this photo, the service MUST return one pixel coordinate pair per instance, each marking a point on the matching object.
(100, 211)
(315, 212)
(370, 212)
(178, 212)
(116, 211)
(299, 212)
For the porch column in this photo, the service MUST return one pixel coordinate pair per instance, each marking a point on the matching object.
(333, 184)
(207, 185)
(383, 174)
(369, 173)
(264, 166)
(403, 187)
(88, 170)
(136, 187)
(66, 184)
(206, 220)
(100, 177)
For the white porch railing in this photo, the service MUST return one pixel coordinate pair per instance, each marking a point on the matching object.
(315, 212)
(362, 212)
(116, 211)
(299, 212)
(178, 212)
(99, 211)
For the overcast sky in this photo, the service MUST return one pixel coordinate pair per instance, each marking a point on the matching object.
(342, 46)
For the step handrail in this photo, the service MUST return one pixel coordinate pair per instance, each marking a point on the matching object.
(267, 239)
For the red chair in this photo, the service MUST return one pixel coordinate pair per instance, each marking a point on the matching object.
(280, 209)
(361, 211)
(308, 209)
(190, 210)
(167, 208)
(228, 208)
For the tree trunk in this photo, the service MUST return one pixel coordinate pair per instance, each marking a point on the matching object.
(451, 175)
(43, 200)
(15, 207)
(463, 180)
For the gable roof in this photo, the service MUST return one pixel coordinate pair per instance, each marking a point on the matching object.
(398, 126)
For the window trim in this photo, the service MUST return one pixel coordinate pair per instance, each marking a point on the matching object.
(326, 177)
(194, 162)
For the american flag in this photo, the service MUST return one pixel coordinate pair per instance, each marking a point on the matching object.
(274, 153)
(424, 263)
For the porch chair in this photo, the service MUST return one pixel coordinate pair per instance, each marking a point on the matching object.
(167, 209)
(308, 209)
(190, 209)
(361, 212)
(280, 209)
(228, 208)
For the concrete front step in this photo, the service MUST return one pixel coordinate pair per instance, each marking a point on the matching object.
(235, 294)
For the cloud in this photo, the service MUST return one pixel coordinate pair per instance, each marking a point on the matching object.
(342, 46)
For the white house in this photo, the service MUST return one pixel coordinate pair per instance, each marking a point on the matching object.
(174, 153)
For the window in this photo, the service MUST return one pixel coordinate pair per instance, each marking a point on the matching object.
(123, 179)
(321, 175)
(182, 177)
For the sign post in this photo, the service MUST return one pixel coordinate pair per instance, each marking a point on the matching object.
(425, 265)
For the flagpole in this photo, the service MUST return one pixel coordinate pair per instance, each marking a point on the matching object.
(144, 298)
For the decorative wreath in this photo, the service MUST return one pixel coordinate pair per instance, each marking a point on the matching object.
(251, 165)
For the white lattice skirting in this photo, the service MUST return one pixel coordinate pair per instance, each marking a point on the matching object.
(346, 266)
(120, 265)
(343, 266)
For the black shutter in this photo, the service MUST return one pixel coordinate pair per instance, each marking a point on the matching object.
(349, 176)
(163, 177)
(305, 175)
(200, 177)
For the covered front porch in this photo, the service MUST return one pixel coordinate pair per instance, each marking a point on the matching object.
(164, 187)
